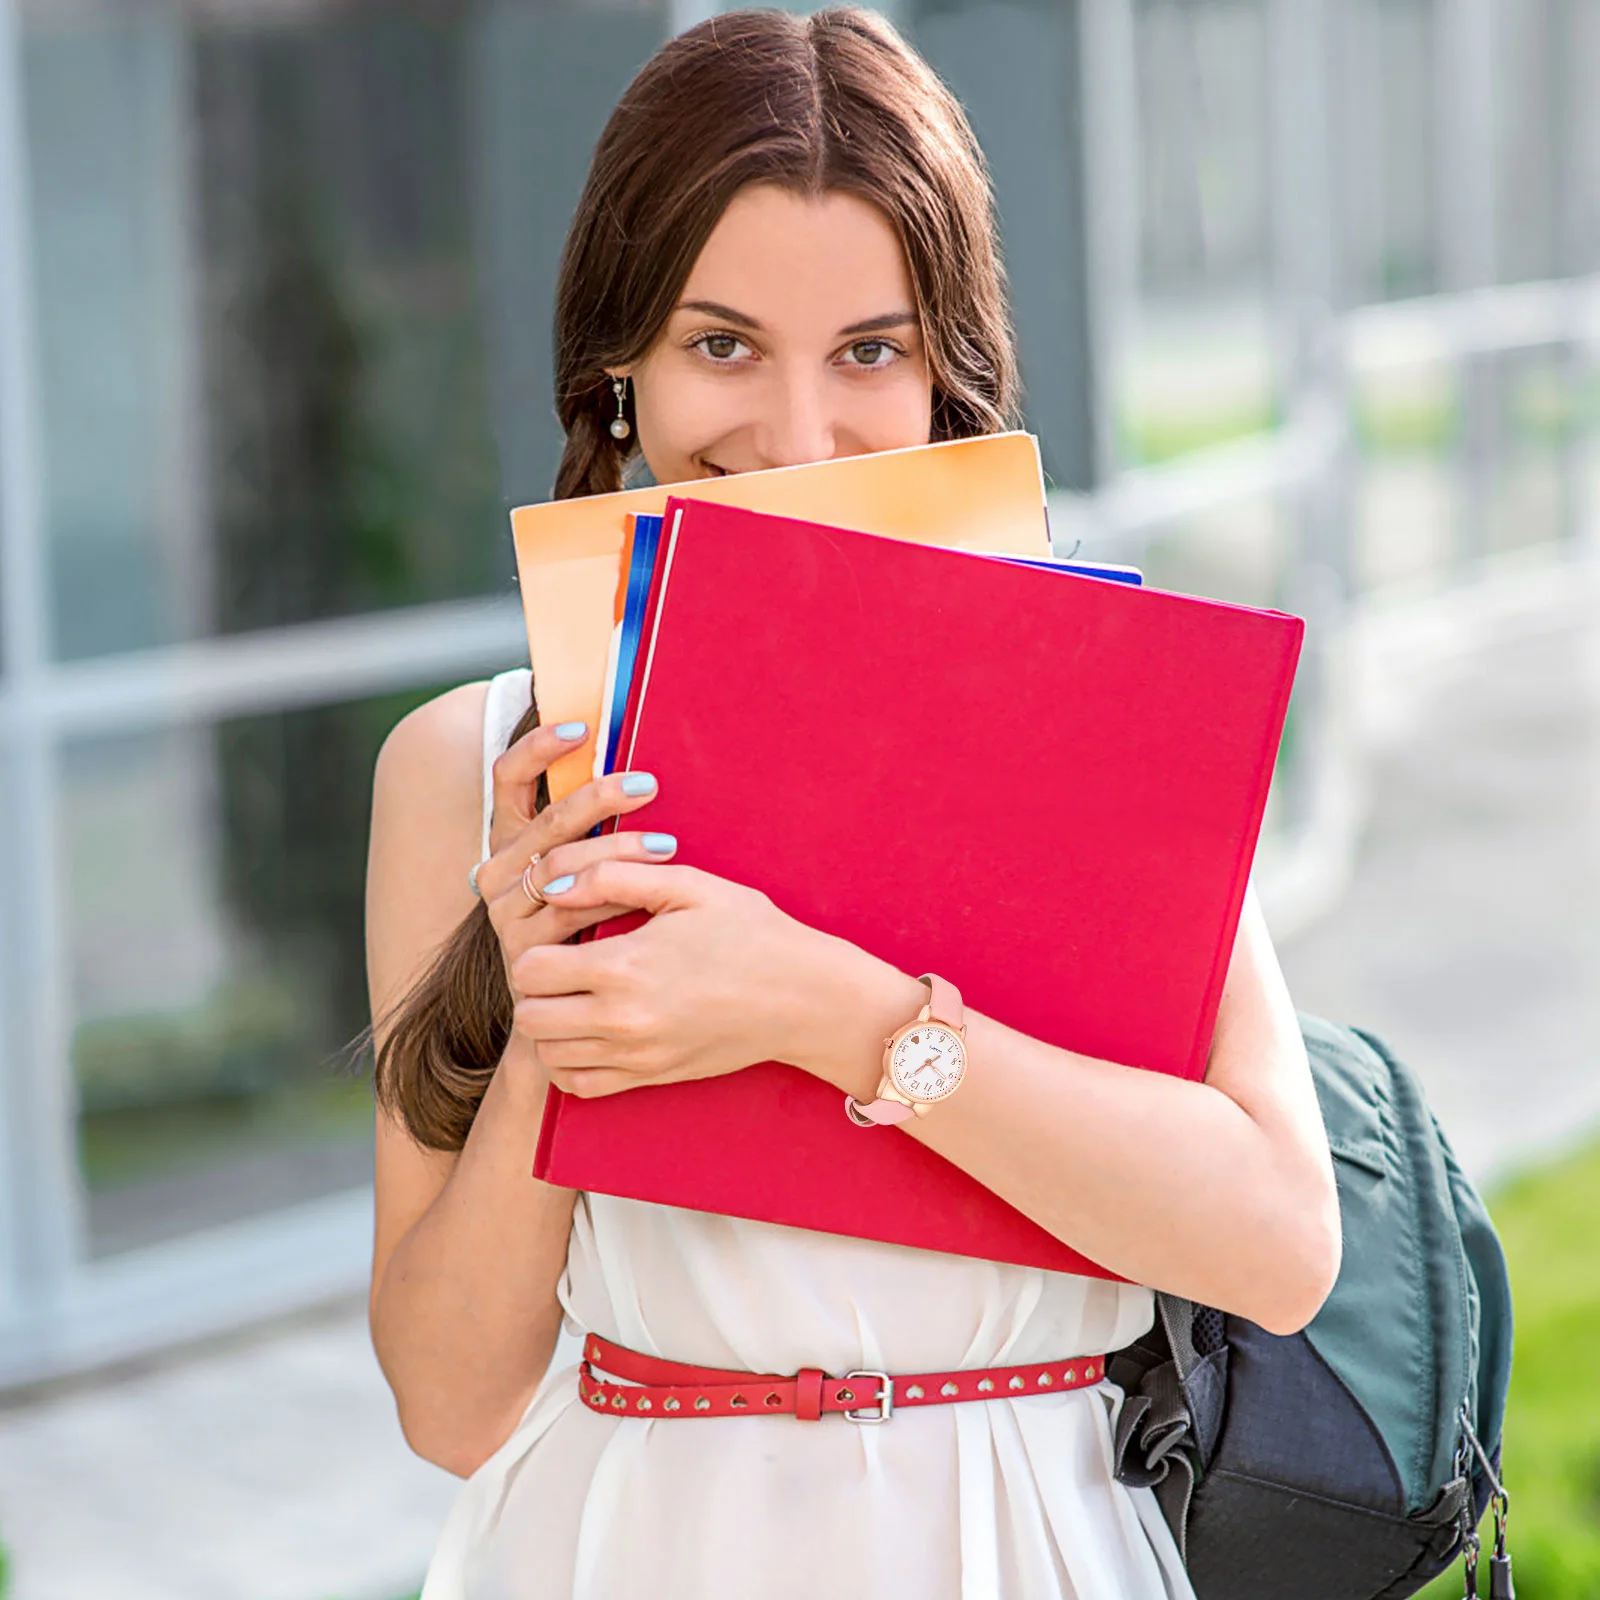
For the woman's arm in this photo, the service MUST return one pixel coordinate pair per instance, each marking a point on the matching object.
(1221, 1191)
(468, 1247)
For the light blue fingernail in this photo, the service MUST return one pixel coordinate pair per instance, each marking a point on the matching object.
(559, 885)
(635, 783)
(571, 730)
(660, 844)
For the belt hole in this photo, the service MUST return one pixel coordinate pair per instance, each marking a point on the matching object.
(774, 1399)
(669, 1405)
(702, 1404)
(738, 1400)
(1016, 1383)
(845, 1394)
(949, 1389)
(985, 1385)
(914, 1392)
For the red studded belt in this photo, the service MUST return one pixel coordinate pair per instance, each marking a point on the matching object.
(651, 1387)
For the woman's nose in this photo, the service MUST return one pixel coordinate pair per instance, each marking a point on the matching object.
(799, 427)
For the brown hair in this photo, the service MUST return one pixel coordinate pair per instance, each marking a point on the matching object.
(833, 101)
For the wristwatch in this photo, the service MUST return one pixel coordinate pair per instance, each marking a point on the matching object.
(923, 1063)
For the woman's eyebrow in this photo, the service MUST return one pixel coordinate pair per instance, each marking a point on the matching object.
(879, 324)
(890, 319)
(711, 308)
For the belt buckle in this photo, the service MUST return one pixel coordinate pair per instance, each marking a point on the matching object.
(862, 1416)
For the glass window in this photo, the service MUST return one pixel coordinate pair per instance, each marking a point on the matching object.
(1580, 140)
(1387, 122)
(1014, 68)
(294, 273)
(1197, 369)
(1532, 122)
(215, 891)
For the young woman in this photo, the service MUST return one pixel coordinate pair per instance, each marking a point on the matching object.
(784, 253)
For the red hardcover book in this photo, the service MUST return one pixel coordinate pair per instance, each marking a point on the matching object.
(1046, 787)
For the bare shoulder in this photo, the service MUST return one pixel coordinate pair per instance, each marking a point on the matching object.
(427, 819)
(436, 751)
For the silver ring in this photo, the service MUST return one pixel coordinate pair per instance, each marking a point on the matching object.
(529, 887)
(472, 877)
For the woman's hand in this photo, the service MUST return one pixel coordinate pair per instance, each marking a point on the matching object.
(556, 842)
(705, 987)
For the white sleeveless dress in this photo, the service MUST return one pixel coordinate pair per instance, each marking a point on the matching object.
(977, 1501)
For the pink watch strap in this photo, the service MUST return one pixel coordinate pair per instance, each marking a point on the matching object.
(944, 1005)
(945, 1002)
(886, 1113)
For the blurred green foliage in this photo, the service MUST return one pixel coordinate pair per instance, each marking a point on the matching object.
(235, 1042)
(1407, 422)
(1546, 1220)
(164, 1138)
(1414, 410)
(254, 1063)
(296, 800)
(1150, 437)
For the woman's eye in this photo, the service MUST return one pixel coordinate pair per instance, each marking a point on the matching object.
(872, 353)
(721, 346)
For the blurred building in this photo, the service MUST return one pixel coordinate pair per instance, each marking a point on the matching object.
(1308, 310)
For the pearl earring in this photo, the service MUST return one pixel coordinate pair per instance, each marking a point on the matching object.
(620, 428)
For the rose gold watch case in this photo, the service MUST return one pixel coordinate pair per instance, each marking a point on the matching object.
(888, 1089)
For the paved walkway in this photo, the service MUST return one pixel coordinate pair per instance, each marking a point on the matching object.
(1469, 935)
(271, 1468)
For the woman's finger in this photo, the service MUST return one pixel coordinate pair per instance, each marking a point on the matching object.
(516, 773)
(545, 1017)
(571, 818)
(550, 929)
(617, 882)
(555, 976)
(588, 1083)
(517, 905)
(567, 861)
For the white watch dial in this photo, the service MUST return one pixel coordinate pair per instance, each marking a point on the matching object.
(928, 1062)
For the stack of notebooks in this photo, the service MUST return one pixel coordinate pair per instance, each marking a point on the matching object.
(867, 689)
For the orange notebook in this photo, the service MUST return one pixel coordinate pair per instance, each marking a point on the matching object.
(983, 494)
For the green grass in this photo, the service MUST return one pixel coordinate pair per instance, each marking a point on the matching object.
(1547, 1220)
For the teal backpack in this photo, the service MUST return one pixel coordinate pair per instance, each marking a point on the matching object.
(1352, 1460)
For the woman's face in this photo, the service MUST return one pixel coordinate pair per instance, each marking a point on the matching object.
(795, 339)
